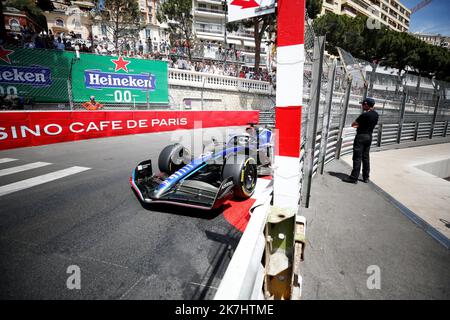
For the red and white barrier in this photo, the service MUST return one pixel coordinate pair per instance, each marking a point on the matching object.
(290, 60)
(34, 128)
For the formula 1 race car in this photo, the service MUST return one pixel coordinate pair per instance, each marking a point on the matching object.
(221, 172)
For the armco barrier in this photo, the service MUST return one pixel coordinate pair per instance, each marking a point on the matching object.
(34, 128)
(244, 277)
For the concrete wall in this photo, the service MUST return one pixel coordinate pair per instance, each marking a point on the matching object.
(183, 97)
(439, 169)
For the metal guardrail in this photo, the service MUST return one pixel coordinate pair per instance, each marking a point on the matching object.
(387, 134)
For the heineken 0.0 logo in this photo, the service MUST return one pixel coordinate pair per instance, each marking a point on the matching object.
(120, 80)
(98, 80)
(37, 75)
(34, 76)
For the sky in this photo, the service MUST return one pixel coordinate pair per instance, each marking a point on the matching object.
(431, 19)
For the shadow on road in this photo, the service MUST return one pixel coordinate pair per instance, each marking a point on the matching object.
(227, 244)
(183, 211)
(338, 175)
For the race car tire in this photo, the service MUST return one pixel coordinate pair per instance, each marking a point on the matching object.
(243, 170)
(172, 158)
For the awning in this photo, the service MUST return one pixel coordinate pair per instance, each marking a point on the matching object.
(232, 41)
(56, 30)
(217, 38)
(249, 43)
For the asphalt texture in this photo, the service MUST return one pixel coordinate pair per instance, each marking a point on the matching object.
(357, 239)
(94, 221)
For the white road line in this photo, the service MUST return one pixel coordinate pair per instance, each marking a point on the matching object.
(5, 160)
(28, 183)
(25, 167)
(132, 287)
(203, 285)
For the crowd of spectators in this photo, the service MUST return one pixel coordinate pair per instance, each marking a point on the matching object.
(208, 57)
(219, 68)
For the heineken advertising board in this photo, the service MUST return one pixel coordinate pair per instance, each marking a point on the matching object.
(119, 80)
(36, 75)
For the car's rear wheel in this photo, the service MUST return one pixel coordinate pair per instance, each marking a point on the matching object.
(172, 158)
(243, 170)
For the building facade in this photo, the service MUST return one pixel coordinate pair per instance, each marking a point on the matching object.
(434, 39)
(209, 19)
(17, 21)
(390, 13)
(72, 20)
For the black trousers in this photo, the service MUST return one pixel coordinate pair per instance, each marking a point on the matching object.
(361, 148)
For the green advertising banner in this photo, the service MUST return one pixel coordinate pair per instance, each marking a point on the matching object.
(35, 75)
(119, 80)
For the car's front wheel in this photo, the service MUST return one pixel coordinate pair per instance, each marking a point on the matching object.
(172, 158)
(243, 170)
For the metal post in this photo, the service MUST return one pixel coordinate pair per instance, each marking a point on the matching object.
(201, 93)
(364, 96)
(69, 89)
(416, 131)
(224, 3)
(436, 108)
(326, 117)
(402, 117)
(148, 92)
(372, 77)
(379, 134)
(343, 117)
(313, 113)
(445, 129)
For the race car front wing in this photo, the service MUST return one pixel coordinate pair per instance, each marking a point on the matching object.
(187, 193)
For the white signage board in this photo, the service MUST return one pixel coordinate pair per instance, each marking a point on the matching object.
(244, 9)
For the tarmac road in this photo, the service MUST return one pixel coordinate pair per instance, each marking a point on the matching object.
(85, 214)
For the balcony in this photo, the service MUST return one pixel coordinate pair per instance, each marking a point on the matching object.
(242, 34)
(208, 12)
(214, 31)
(214, 2)
(219, 82)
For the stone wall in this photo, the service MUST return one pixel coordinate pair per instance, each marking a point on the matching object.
(190, 98)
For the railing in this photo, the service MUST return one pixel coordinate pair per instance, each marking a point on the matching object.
(386, 134)
(244, 277)
(212, 81)
(208, 10)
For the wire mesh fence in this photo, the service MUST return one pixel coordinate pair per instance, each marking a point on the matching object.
(410, 107)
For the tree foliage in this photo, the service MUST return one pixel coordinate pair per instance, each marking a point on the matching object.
(33, 8)
(122, 20)
(177, 14)
(398, 50)
(260, 25)
(313, 7)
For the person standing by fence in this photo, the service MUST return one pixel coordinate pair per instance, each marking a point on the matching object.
(364, 125)
(92, 104)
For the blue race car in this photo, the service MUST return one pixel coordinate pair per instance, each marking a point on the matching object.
(222, 171)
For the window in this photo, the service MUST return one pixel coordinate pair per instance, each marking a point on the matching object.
(76, 23)
(59, 22)
(104, 31)
(14, 24)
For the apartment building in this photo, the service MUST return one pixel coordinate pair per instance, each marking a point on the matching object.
(71, 18)
(209, 20)
(391, 13)
(16, 20)
(434, 39)
(154, 32)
